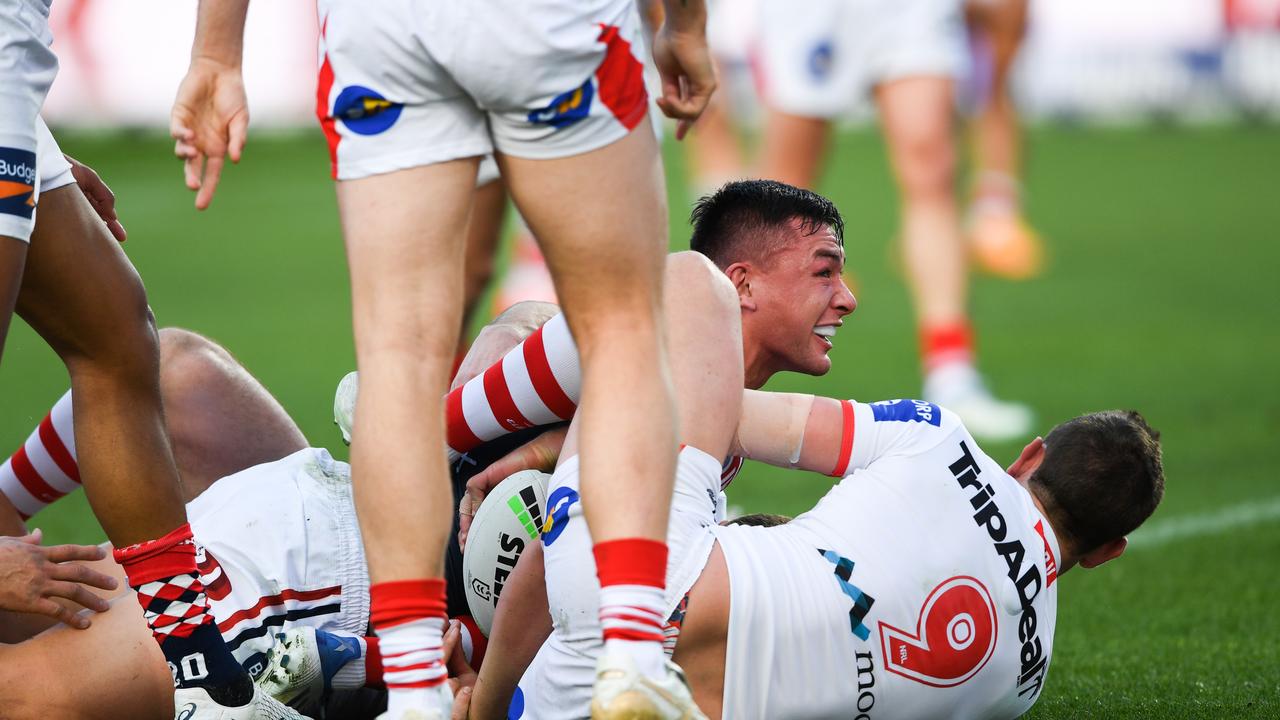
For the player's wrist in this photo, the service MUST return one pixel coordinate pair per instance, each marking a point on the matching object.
(685, 17)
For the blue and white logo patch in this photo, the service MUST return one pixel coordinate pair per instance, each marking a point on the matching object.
(17, 182)
(907, 411)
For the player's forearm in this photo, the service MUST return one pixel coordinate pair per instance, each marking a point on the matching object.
(791, 430)
(220, 31)
(686, 15)
(521, 624)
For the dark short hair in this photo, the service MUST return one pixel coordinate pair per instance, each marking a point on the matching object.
(1101, 477)
(759, 520)
(742, 220)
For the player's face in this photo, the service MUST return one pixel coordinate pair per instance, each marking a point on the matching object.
(801, 299)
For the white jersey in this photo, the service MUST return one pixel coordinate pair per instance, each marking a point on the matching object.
(921, 586)
(281, 548)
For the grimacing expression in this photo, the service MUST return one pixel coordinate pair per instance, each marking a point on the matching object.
(801, 299)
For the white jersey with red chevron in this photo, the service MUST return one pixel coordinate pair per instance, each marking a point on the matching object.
(44, 468)
(537, 383)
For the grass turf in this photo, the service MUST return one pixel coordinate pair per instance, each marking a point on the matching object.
(1159, 296)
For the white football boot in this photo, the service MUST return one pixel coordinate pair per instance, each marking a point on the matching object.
(301, 664)
(959, 388)
(622, 692)
(195, 704)
(344, 404)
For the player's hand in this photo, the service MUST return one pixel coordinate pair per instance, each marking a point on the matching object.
(31, 576)
(99, 196)
(688, 76)
(209, 122)
(540, 453)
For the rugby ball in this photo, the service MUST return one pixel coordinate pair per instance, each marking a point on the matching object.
(510, 518)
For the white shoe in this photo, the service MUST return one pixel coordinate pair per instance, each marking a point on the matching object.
(441, 697)
(344, 404)
(622, 692)
(960, 389)
(195, 704)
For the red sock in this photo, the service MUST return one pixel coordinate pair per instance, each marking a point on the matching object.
(633, 574)
(409, 617)
(945, 344)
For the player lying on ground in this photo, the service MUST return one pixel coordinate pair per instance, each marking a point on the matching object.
(779, 245)
(284, 548)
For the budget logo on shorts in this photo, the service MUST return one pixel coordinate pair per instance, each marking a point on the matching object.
(821, 59)
(364, 111)
(907, 411)
(17, 182)
(566, 108)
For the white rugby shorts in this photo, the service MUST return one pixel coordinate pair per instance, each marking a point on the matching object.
(558, 682)
(281, 548)
(406, 83)
(27, 69)
(819, 57)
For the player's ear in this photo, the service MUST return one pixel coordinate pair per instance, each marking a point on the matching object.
(1104, 552)
(1028, 460)
(739, 274)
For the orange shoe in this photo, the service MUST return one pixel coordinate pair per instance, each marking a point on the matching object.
(1004, 245)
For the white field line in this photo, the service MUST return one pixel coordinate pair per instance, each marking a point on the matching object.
(1210, 523)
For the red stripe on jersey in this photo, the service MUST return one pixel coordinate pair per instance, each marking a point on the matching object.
(274, 601)
(324, 85)
(544, 381)
(620, 79)
(457, 432)
(500, 400)
(846, 439)
(57, 450)
(30, 478)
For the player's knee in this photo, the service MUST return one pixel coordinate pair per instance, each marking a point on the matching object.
(188, 360)
(127, 347)
(928, 167)
(692, 280)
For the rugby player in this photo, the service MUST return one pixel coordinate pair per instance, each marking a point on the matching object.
(410, 97)
(1001, 240)
(813, 65)
(62, 271)
(973, 549)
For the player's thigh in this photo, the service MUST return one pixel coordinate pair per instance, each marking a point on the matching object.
(704, 348)
(404, 233)
(916, 115)
(13, 256)
(601, 218)
(112, 669)
(80, 292)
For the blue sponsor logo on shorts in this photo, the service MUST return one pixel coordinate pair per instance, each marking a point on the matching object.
(907, 411)
(515, 711)
(558, 504)
(566, 108)
(364, 111)
(17, 182)
(821, 60)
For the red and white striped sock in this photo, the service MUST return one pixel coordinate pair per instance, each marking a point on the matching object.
(633, 574)
(409, 617)
(537, 383)
(44, 469)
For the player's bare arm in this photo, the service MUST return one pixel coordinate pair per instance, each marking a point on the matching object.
(680, 53)
(211, 113)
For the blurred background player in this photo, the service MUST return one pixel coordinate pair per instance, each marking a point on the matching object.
(816, 59)
(66, 275)
(1001, 241)
(410, 99)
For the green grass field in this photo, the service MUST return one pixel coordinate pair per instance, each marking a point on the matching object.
(1160, 296)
